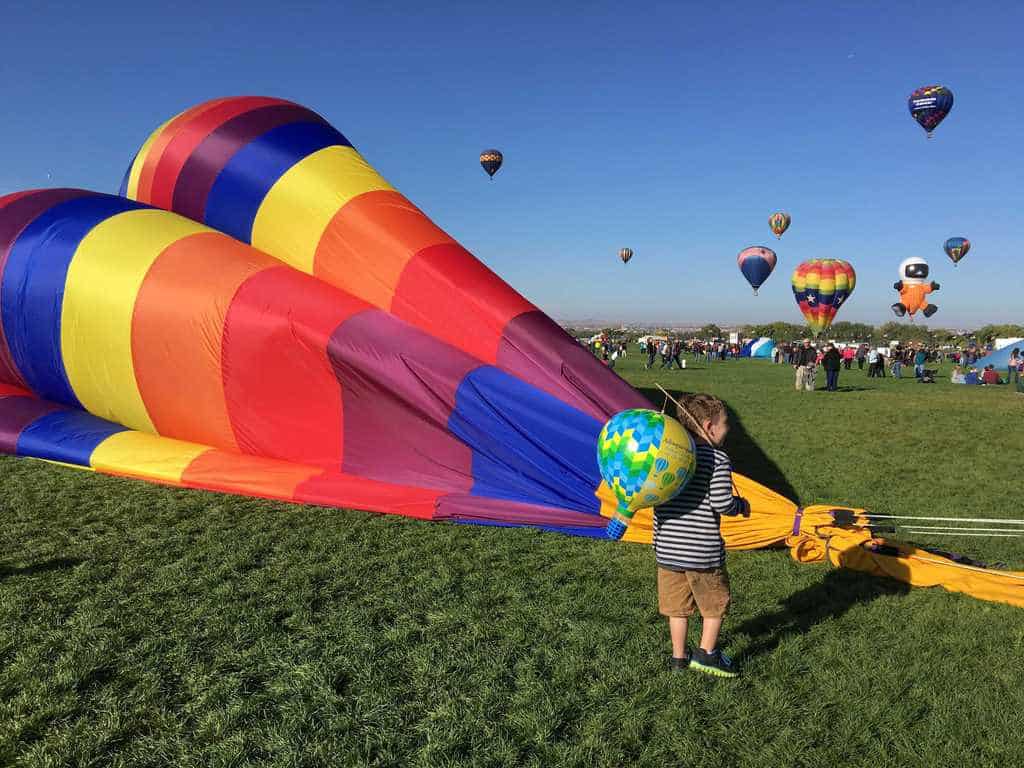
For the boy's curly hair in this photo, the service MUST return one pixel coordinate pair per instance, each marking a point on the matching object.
(701, 407)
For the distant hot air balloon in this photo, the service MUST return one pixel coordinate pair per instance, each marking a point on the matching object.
(779, 222)
(821, 287)
(956, 248)
(756, 263)
(929, 105)
(626, 254)
(491, 160)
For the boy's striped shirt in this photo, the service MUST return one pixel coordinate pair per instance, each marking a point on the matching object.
(687, 529)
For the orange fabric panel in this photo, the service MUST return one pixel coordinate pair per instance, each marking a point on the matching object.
(368, 243)
(177, 334)
(13, 391)
(247, 475)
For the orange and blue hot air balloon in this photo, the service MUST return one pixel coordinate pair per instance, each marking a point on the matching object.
(821, 287)
(929, 106)
(756, 263)
(956, 248)
(491, 160)
(779, 223)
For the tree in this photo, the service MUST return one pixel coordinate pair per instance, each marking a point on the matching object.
(711, 331)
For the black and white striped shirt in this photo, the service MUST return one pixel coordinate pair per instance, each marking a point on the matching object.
(687, 532)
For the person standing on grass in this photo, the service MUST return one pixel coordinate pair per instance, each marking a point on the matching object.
(861, 354)
(804, 363)
(688, 544)
(831, 361)
(920, 357)
(651, 352)
(1012, 366)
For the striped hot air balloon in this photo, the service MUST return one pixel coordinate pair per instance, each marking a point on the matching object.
(626, 254)
(821, 287)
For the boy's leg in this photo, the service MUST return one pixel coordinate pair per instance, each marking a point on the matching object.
(709, 634)
(677, 627)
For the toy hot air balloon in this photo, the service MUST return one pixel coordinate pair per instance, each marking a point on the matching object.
(491, 160)
(646, 458)
(956, 248)
(929, 105)
(821, 287)
(756, 263)
(626, 254)
(779, 222)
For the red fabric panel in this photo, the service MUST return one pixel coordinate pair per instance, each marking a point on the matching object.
(448, 292)
(334, 489)
(282, 394)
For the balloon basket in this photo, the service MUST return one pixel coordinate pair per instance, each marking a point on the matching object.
(615, 529)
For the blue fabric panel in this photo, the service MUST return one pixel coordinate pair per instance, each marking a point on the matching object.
(69, 436)
(241, 186)
(32, 289)
(123, 189)
(527, 445)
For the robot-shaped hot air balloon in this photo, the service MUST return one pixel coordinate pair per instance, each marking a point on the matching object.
(914, 287)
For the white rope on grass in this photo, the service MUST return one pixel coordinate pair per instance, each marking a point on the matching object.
(1002, 520)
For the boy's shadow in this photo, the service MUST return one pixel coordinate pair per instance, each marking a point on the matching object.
(56, 564)
(746, 455)
(840, 590)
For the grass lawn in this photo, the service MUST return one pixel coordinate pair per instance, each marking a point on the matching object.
(151, 626)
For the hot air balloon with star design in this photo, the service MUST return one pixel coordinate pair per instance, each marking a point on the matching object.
(821, 287)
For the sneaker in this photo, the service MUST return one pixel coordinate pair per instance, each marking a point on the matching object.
(715, 663)
(677, 664)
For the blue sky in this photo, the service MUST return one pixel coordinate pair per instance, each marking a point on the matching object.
(674, 128)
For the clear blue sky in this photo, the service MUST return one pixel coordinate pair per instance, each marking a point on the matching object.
(674, 128)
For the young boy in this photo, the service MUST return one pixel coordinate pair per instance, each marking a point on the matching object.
(688, 544)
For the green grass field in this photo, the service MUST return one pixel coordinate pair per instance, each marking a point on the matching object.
(149, 626)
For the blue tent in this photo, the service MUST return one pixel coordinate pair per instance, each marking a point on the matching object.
(1001, 357)
(762, 347)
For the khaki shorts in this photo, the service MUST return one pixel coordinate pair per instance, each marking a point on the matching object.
(680, 592)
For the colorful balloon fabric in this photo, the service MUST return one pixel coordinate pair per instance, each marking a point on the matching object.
(646, 458)
(756, 263)
(491, 160)
(821, 287)
(291, 327)
(779, 223)
(929, 106)
(626, 254)
(956, 248)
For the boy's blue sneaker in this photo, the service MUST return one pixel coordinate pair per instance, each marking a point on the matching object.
(677, 664)
(715, 663)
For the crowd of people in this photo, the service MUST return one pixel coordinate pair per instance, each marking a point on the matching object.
(665, 353)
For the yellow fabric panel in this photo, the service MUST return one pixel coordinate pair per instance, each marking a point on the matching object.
(152, 457)
(140, 160)
(65, 464)
(99, 299)
(300, 205)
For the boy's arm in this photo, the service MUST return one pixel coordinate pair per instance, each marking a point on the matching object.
(720, 495)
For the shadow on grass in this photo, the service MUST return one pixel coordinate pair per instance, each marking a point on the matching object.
(46, 566)
(850, 389)
(747, 457)
(840, 590)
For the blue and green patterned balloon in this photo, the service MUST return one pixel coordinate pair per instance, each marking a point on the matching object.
(646, 458)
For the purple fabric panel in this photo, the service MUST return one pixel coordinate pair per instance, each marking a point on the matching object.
(13, 219)
(534, 348)
(478, 509)
(16, 413)
(213, 153)
(398, 390)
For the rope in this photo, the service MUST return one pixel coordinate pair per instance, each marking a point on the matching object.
(1005, 520)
